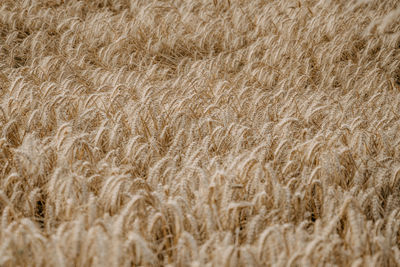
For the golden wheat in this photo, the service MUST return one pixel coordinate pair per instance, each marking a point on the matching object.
(199, 133)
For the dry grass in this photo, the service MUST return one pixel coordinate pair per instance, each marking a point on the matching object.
(199, 133)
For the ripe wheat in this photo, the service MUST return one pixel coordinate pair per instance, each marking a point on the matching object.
(199, 133)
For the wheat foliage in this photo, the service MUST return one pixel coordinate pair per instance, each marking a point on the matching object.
(199, 133)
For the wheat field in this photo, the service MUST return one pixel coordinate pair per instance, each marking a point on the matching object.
(199, 133)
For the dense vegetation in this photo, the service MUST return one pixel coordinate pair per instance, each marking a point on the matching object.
(201, 132)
